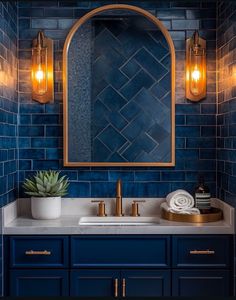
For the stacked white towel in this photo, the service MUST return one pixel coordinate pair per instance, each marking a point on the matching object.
(181, 202)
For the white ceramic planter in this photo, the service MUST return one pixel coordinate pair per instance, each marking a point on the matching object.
(46, 208)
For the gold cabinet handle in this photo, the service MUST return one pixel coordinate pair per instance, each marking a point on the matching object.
(123, 288)
(32, 252)
(208, 252)
(116, 288)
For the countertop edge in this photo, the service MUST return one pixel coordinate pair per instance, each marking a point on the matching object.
(67, 225)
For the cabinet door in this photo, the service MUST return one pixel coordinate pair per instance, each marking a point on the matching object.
(200, 283)
(145, 283)
(95, 283)
(39, 283)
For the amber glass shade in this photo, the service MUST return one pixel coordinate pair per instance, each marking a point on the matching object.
(42, 69)
(39, 70)
(195, 68)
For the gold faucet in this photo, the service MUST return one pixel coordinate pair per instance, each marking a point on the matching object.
(119, 212)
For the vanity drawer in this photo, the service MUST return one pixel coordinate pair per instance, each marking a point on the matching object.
(201, 251)
(120, 251)
(38, 252)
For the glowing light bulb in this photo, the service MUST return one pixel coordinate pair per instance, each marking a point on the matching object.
(196, 75)
(39, 75)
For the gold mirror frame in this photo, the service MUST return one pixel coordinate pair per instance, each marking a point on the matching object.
(69, 37)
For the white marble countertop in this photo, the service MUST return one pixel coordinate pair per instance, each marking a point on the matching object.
(17, 221)
(69, 225)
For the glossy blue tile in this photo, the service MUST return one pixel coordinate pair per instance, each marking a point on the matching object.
(123, 175)
(147, 176)
(45, 119)
(130, 68)
(173, 176)
(25, 164)
(103, 189)
(187, 109)
(139, 81)
(53, 131)
(79, 189)
(180, 143)
(25, 119)
(10, 167)
(31, 108)
(24, 142)
(201, 142)
(207, 153)
(130, 110)
(31, 153)
(187, 154)
(150, 64)
(188, 131)
(208, 131)
(146, 189)
(53, 153)
(112, 99)
(92, 176)
(28, 131)
(202, 165)
(201, 120)
(42, 142)
(46, 165)
(112, 138)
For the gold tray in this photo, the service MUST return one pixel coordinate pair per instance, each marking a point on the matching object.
(214, 215)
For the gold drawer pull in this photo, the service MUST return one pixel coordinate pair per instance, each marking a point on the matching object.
(211, 252)
(32, 252)
(116, 288)
(123, 288)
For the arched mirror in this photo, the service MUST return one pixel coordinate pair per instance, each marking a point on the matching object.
(119, 90)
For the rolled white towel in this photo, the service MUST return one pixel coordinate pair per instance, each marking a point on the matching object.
(180, 200)
(188, 211)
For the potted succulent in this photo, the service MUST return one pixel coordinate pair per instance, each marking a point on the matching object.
(46, 189)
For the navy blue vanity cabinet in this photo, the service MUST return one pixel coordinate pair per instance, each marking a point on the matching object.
(191, 283)
(38, 265)
(117, 283)
(39, 283)
(119, 266)
(120, 283)
(105, 262)
(95, 283)
(145, 283)
(39, 251)
(136, 251)
(202, 265)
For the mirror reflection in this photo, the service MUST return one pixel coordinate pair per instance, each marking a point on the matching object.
(119, 91)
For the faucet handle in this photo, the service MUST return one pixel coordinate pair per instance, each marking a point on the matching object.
(135, 210)
(101, 208)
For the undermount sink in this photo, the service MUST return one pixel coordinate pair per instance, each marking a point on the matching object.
(127, 221)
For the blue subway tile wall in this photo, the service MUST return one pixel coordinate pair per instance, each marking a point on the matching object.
(226, 118)
(40, 126)
(8, 109)
(8, 101)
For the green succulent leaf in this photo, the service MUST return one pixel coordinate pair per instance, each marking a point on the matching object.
(46, 184)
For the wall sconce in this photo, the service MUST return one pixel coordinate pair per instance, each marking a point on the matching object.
(42, 69)
(195, 68)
